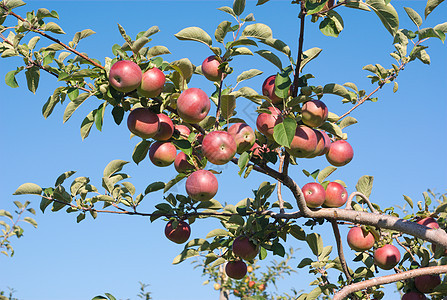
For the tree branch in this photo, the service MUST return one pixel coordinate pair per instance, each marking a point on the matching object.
(340, 250)
(300, 51)
(348, 203)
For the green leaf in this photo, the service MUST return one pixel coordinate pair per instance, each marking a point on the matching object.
(278, 45)
(30, 221)
(87, 124)
(222, 30)
(357, 4)
(305, 262)
(243, 162)
(278, 249)
(73, 105)
(154, 186)
(217, 232)
(314, 293)
(364, 185)
(63, 177)
(11, 4)
(140, 151)
(157, 50)
(28, 189)
(414, 16)
(441, 27)
(118, 114)
(228, 10)
(429, 32)
(260, 2)
(227, 105)
(395, 87)
(194, 34)
(309, 55)
(297, 232)
(332, 128)
(386, 13)
(173, 182)
(431, 5)
(187, 253)
(99, 116)
(325, 173)
(240, 42)
(54, 28)
(139, 43)
(348, 121)
(5, 213)
(238, 7)
(284, 132)
(10, 78)
(409, 200)
(113, 167)
(271, 57)
(33, 41)
(313, 7)
(336, 89)
(332, 25)
(210, 204)
(315, 243)
(248, 74)
(82, 35)
(258, 30)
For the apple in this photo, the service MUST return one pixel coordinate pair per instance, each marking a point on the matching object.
(244, 248)
(193, 105)
(336, 195)
(236, 269)
(413, 296)
(181, 163)
(243, 135)
(179, 234)
(427, 283)
(359, 240)
(314, 194)
(219, 147)
(183, 130)
(261, 287)
(268, 89)
(216, 286)
(251, 284)
(327, 142)
(340, 153)
(152, 83)
(166, 128)
(321, 145)
(303, 143)
(143, 123)
(210, 68)
(386, 257)
(266, 122)
(125, 76)
(162, 154)
(250, 269)
(201, 185)
(314, 113)
(429, 222)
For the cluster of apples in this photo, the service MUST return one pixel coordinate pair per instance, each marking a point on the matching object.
(243, 249)
(308, 142)
(315, 195)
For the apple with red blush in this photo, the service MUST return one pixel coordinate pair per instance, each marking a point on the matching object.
(340, 153)
(177, 232)
(201, 185)
(236, 269)
(162, 154)
(143, 123)
(314, 194)
(166, 128)
(360, 239)
(193, 105)
(125, 76)
(336, 195)
(266, 122)
(243, 135)
(152, 83)
(314, 113)
(386, 257)
(219, 147)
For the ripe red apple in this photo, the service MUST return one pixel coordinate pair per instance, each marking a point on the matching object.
(266, 122)
(314, 194)
(429, 222)
(125, 76)
(261, 287)
(201, 185)
(162, 154)
(193, 105)
(321, 145)
(386, 257)
(181, 163)
(314, 113)
(244, 248)
(210, 68)
(251, 284)
(152, 83)
(327, 142)
(340, 153)
(219, 147)
(166, 128)
(236, 269)
(358, 240)
(143, 123)
(180, 234)
(427, 283)
(304, 142)
(336, 195)
(268, 89)
(243, 135)
(183, 130)
(413, 296)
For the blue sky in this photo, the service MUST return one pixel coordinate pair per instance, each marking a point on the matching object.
(400, 140)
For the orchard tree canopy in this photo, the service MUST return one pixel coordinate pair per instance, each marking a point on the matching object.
(255, 127)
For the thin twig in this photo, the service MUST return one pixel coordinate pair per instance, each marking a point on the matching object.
(340, 250)
(300, 51)
(280, 170)
(405, 248)
(354, 194)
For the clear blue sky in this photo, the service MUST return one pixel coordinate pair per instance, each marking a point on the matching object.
(400, 140)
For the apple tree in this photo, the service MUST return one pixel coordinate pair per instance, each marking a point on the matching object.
(180, 126)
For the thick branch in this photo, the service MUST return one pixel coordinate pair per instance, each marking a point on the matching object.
(343, 293)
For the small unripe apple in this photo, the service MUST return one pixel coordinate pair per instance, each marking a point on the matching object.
(304, 142)
(236, 269)
(210, 68)
(413, 296)
(340, 153)
(216, 286)
(243, 135)
(162, 154)
(336, 195)
(250, 269)
(125, 76)
(266, 122)
(429, 222)
(180, 234)
(268, 89)
(219, 147)
(314, 113)
(152, 83)
(193, 105)
(244, 248)
(314, 194)
(143, 123)
(181, 163)
(386, 257)
(427, 283)
(166, 128)
(359, 240)
(201, 185)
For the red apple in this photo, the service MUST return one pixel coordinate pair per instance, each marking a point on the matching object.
(386, 257)
(179, 234)
(201, 185)
(236, 269)
(125, 76)
(210, 68)
(266, 122)
(429, 222)
(181, 163)
(193, 105)
(152, 83)
(427, 283)
(251, 284)
(143, 123)
(304, 142)
(336, 195)
(321, 145)
(261, 287)
(219, 147)
(268, 89)
(340, 153)
(183, 130)
(314, 194)
(327, 142)
(244, 248)
(162, 154)
(359, 240)
(243, 135)
(413, 296)
(166, 128)
(314, 113)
